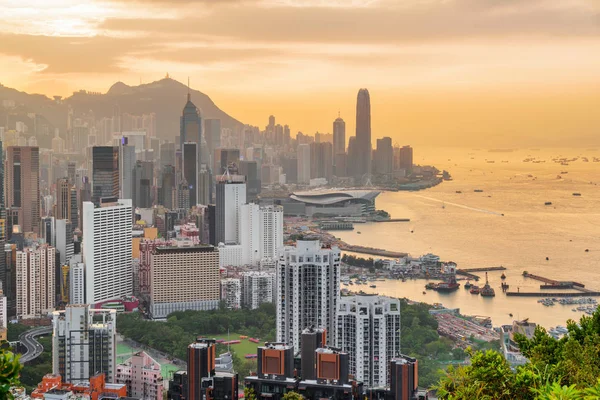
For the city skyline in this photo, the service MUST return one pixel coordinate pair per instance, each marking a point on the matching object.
(448, 72)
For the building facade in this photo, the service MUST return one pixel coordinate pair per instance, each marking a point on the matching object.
(36, 283)
(304, 163)
(142, 376)
(363, 134)
(308, 290)
(105, 173)
(231, 194)
(231, 293)
(257, 287)
(107, 250)
(368, 329)
(22, 190)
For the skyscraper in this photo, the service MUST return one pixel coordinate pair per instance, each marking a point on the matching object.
(231, 194)
(384, 161)
(406, 158)
(261, 232)
(83, 343)
(190, 170)
(63, 199)
(257, 288)
(127, 159)
(190, 125)
(253, 184)
(143, 179)
(308, 290)
(23, 187)
(339, 136)
(204, 186)
(363, 133)
(369, 331)
(303, 163)
(35, 281)
(64, 240)
(107, 250)
(167, 190)
(105, 173)
(321, 162)
(212, 134)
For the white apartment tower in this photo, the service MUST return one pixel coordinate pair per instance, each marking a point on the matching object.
(368, 329)
(76, 280)
(303, 163)
(3, 314)
(107, 250)
(35, 281)
(84, 343)
(271, 224)
(261, 232)
(257, 288)
(231, 293)
(64, 240)
(308, 290)
(231, 194)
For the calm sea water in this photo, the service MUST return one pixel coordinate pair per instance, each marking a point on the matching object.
(469, 228)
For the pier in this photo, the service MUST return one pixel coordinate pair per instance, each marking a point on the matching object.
(553, 282)
(554, 294)
(550, 284)
(394, 220)
(484, 269)
(372, 251)
(469, 275)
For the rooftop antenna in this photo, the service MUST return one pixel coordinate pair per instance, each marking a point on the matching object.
(189, 95)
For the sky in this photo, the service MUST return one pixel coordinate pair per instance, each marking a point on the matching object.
(498, 72)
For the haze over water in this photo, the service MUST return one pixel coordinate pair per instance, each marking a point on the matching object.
(469, 228)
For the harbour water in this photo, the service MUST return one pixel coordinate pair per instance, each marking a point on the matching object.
(505, 223)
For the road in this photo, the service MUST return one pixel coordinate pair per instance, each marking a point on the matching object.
(34, 348)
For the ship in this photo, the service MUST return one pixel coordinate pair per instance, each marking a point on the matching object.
(372, 286)
(474, 289)
(503, 277)
(468, 285)
(487, 290)
(449, 286)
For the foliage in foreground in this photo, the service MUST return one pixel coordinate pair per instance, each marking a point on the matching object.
(567, 368)
(9, 372)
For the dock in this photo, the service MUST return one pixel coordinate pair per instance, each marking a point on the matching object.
(484, 269)
(394, 220)
(553, 282)
(469, 275)
(553, 294)
(372, 251)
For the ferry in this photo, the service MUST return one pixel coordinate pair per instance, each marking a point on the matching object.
(487, 290)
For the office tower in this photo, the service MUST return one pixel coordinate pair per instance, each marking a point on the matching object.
(212, 224)
(204, 186)
(341, 165)
(404, 377)
(142, 375)
(321, 163)
(76, 280)
(212, 134)
(183, 278)
(107, 250)
(127, 159)
(231, 194)
(249, 169)
(143, 179)
(190, 126)
(304, 163)
(63, 199)
(339, 136)
(9, 283)
(83, 343)
(231, 293)
(167, 154)
(363, 133)
(261, 232)
(35, 268)
(384, 161)
(105, 173)
(257, 288)
(64, 240)
(312, 339)
(200, 365)
(275, 361)
(167, 190)
(290, 169)
(23, 187)
(3, 311)
(228, 160)
(351, 159)
(85, 194)
(406, 158)
(74, 208)
(48, 233)
(2, 202)
(190, 170)
(323, 137)
(308, 290)
(369, 331)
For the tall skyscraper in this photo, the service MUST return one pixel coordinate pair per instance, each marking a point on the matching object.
(183, 278)
(23, 187)
(167, 154)
(143, 179)
(200, 366)
(204, 186)
(64, 240)
(363, 133)
(127, 159)
(63, 199)
(231, 194)
(212, 134)
(253, 184)
(384, 161)
(308, 290)
(190, 125)
(339, 136)
(321, 162)
(105, 173)
(261, 232)
(369, 331)
(406, 158)
(167, 190)
(84, 343)
(107, 250)
(303, 164)
(35, 281)
(190, 170)
(74, 207)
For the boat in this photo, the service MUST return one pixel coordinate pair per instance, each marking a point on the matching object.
(449, 286)
(478, 191)
(487, 290)
(468, 285)
(424, 292)
(474, 290)
(576, 194)
(358, 232)
(510, 314)
(548, 203)
(503, 276)
(372, 286)
(430, 285)
(458, 191)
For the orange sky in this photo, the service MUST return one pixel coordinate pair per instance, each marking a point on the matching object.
(439, 71)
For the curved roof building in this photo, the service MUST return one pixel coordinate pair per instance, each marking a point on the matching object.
(351, 203)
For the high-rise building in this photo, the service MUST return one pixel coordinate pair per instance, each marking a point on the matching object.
(183, 278)
(74, 207)
(76, 280)
(231, 293)
(48, 231)
(261, 232)
(64, 240)
(3, 311)
(321, 162)
(339, 136)
(190, 125)
(228, 160)
(304, 168)
(105, 173)
(84, 343)
(63, 199)
(200, 366)
(369, 331)
(23, 187)
(143, 182)
(142, 375)
(341, 165)
(406, 158)
(257, 288)
(127, 158)
(212, 134)
(167, 189)
(35, 281)
(107, 250)
(9, 281)
(249, 169)
(190, 170)
(231, 194)
(167, 154)
(308, 290)
(204, 186)
(363, 133)
(384, 162)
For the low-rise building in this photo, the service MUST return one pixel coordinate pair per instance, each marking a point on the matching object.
(142, 376)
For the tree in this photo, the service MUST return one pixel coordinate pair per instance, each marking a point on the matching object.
(249, 394)
(9, 372)
(293, 396)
